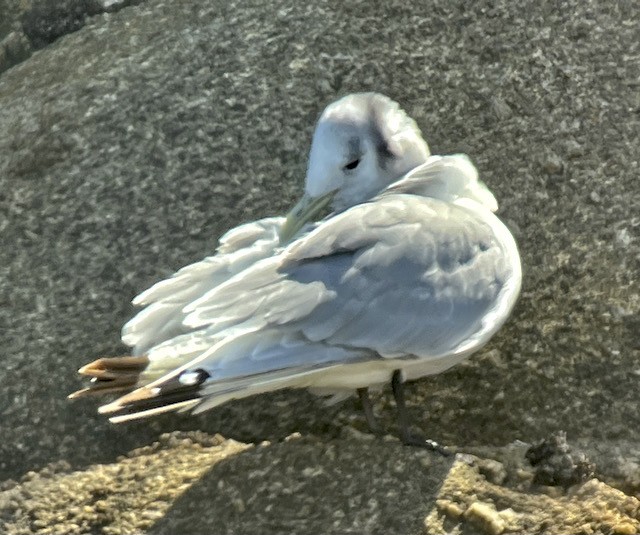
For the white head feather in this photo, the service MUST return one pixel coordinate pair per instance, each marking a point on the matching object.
(362, 143)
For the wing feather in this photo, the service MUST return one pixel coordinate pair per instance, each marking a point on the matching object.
(402, 275)
(447, 178)
(163, 317)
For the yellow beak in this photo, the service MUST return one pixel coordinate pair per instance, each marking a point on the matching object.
(307, 209)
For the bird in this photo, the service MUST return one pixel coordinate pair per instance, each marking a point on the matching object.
(408, 274)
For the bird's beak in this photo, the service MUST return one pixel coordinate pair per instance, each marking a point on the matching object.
(307, 209)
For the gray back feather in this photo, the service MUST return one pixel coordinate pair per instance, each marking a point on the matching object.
(403, 276)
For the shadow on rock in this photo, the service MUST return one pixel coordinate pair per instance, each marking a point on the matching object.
(308, 485)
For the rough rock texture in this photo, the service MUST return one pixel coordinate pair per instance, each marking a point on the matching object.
(192, 483)
(118, 498)
(128, 146)
(28, 25)
(470, 503)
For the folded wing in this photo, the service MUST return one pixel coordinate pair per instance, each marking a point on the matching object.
(402, 276)
(162, 318)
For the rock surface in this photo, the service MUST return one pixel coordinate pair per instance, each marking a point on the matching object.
(468, 502)
(130, 145)
(28, 25)
(193, 483)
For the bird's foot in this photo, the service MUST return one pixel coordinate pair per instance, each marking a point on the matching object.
(367, 408)
(414, 439)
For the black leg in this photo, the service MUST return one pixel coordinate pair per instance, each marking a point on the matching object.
(406, 435)
(367, 408)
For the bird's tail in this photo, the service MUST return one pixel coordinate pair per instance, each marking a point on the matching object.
(234, 367)
(122, 374)
(198, 394)
(111, 375)
(126, 376)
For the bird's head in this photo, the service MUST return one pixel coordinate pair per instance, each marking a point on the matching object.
(362, 143)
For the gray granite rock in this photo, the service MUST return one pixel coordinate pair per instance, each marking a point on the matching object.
(27, 25)
(129, 146)
(196, 483)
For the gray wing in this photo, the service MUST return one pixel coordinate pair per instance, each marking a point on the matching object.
(401, 276)
(447, 178)
(163, 316)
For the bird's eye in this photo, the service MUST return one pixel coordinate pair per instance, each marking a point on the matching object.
(352, 165)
